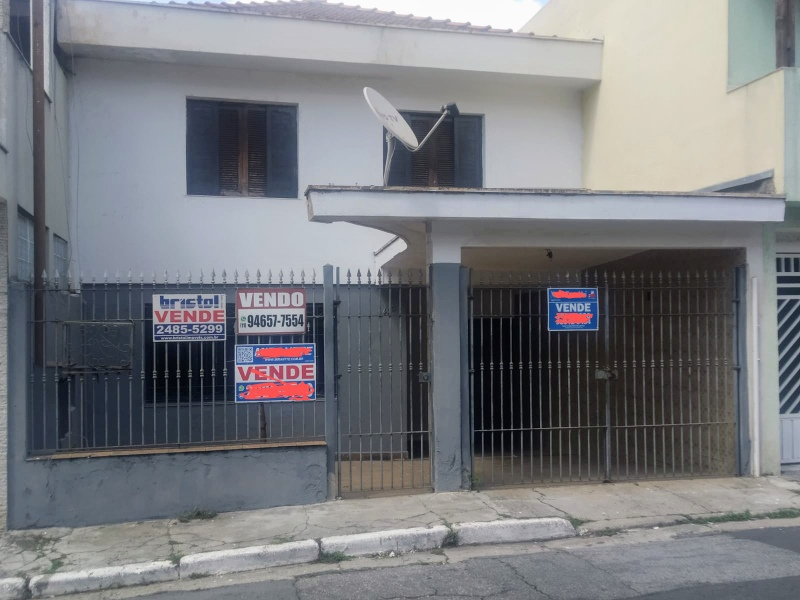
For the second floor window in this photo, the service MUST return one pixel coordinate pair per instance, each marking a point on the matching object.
(235, 149)
(453, 157)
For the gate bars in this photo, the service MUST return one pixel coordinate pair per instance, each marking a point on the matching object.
(106, 385)
(540, 412)
(384, 431)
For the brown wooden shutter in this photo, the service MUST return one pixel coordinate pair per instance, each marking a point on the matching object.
(229, 150)
(421, 163)
(202, 148)
(400, 172)
(282, 151)
(257, 152)
(445, 154)
(468, 139)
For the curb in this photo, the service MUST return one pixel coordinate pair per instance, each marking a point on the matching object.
(91, 580)
(395, 540)
(292, 553)
(12, 588)
(248, 559)
(514, 530)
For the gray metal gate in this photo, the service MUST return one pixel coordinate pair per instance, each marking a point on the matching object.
(382, 326)
(652, 394)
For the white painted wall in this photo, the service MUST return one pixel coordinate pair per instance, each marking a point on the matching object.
(129, 137)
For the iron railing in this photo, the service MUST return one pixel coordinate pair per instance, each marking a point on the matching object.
(104, 383)
(651, 394)
(382, 364)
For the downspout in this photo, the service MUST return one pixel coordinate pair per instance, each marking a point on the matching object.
(755, 369)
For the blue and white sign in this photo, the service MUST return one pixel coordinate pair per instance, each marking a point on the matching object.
(572, 309)
(276, 372)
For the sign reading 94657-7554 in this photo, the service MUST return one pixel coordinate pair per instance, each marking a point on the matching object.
(270, 311)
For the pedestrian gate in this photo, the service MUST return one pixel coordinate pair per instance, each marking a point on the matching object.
(382, 327)
(651, 394)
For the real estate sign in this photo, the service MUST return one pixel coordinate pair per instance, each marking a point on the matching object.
(270, 311)
(188, 317)
(572, 309)
(276, 372)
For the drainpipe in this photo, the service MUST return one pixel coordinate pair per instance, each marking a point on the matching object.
(784, 33)
(755, 369)
(39, 217)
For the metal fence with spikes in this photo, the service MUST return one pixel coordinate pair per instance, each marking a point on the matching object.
(649, 395)
(383, 366)
(104, 384)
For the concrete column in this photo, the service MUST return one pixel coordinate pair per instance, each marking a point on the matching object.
(769, 431)
(447, 344)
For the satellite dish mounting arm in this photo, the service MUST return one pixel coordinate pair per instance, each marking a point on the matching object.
(449, 109)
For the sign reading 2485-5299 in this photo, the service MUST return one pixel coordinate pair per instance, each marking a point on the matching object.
(188, 317)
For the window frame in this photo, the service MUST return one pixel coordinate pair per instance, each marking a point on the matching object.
(24, 266)
(468, 159)
(62, 269)
(243, 191)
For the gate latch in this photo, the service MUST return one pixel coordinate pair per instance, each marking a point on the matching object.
(606, 374)
(425, 377)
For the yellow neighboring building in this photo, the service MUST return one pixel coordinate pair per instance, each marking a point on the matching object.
(705, 95)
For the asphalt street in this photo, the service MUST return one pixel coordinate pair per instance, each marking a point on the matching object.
(760, 563)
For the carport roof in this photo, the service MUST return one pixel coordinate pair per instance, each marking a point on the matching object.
(364, 204)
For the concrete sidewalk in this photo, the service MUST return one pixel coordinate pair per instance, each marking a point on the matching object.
(592, 508)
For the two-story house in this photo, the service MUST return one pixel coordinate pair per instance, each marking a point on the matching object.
(251, 318)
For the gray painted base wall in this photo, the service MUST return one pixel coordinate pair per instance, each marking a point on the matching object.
(94, 491)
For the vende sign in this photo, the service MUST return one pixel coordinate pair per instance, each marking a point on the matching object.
(188, 317)
(276, 372)
(270, 311)
(572, 309)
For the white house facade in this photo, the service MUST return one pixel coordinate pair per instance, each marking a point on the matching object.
(242, 285)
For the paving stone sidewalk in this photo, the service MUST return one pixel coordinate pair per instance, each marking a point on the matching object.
(599, 506)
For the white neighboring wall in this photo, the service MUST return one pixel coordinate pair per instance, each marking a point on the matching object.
(129, 162)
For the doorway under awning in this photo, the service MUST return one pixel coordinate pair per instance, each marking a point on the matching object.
(690, 267)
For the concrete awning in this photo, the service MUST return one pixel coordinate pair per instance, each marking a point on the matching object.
(437, 224)
(231, 35)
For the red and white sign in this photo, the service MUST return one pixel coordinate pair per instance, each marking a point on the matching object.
(270, 311)
(188, 317)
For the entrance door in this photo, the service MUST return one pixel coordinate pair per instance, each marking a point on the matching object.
(788, 271)
(649, 395)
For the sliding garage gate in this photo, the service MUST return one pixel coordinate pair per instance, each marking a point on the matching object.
(649, 395)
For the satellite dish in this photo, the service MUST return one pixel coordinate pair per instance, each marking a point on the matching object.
(397, 128)
(394, 123)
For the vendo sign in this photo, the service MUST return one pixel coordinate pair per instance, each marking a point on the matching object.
(270, 311)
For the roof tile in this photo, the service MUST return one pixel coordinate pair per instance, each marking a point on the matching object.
(321, 10)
